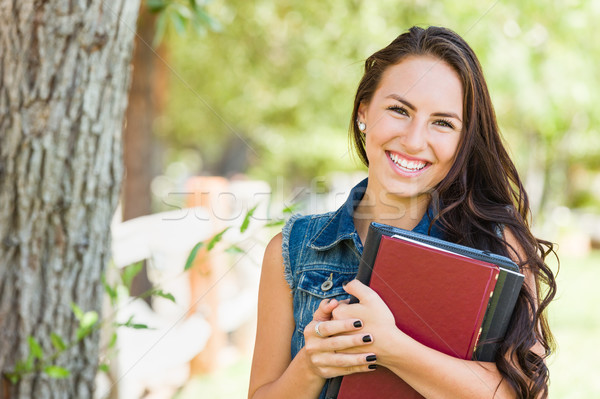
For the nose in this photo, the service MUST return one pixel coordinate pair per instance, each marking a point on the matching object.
(414, 137)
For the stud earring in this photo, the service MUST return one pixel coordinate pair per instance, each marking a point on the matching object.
(362, 126)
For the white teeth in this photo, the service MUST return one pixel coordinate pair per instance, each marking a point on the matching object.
(406, 164)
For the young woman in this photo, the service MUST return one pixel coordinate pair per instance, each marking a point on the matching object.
(424, 125)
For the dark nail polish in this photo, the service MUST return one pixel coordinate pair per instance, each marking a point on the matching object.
(358, 324)
(344, 283)
(371, 358)
(372, 366)
(367, 338)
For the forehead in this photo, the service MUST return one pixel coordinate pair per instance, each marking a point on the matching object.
(423, 80)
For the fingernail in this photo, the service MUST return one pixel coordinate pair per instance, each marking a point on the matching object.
(367, 338)
(371, 358)
(358, 324)
(344, 283)
(372, 366)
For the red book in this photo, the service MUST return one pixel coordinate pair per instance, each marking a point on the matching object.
(439, 298)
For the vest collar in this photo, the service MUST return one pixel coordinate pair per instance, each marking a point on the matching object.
(340, 225)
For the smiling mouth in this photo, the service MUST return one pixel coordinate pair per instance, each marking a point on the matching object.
(405, 164)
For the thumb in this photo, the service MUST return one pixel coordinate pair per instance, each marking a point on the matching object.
(359, 290)
(323, 312)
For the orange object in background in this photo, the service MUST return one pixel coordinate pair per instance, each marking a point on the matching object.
(206, 191)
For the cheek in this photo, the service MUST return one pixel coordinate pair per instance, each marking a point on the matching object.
(447, 153)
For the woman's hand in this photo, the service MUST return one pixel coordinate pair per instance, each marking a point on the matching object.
(324, 337)
(375, 315)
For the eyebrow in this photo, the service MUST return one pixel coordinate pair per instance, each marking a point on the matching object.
(412, 107)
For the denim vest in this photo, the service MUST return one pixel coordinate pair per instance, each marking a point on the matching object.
(321, 253)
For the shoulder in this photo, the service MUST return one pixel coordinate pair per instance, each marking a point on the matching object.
(295, 238)
(298, 221)
(300, 229)
(514, 246)
(273, 250)
(517, 254)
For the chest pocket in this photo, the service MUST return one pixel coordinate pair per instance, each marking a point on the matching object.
(324, 283)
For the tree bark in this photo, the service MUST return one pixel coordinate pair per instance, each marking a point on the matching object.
(64, 75)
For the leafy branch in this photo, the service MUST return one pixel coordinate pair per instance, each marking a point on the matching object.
(88, 321)
(181, 15)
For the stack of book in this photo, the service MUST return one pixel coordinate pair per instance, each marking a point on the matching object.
(452, 298)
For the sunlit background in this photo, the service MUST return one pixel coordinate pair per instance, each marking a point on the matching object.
(237, 104)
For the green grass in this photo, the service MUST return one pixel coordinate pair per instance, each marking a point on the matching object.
(575, 321)
(574, 318)
(228, 383)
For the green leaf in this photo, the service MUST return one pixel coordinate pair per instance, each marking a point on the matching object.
(165, 295)
(13, 377)
(81, 333)
(136, 326)
(130, 324)
(112, 292)
(113, 340)
(206, 20)
(89, 319)
(190, 260)
(246, 221)
(77, 311)
(57, 342)
(178, 21)
(105, 368)
(56, 372)
(129, 273)
(36, 349)
(290, 209)
(234, 250)
(24, 366)
(275, 223)
(184, 11)
(218, 237)
(156, 5)
(161, 28)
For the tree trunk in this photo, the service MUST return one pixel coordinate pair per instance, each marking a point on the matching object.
(146, 100)
(140, 114)
(64, 75)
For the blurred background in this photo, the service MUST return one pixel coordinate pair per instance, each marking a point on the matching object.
(238, 115)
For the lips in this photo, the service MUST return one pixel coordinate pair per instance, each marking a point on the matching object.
(405, 164)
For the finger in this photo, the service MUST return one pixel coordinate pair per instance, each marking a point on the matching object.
(346, 342)
(344, 364)
(333, 327)
(344, 311)
(359, 290)
(324, 310)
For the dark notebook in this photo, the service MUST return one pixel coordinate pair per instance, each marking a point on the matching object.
(446, 296)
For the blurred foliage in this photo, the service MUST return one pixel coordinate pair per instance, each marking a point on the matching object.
(274, 87)
(181, 16)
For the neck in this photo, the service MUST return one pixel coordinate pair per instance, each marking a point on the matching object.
(389, 209)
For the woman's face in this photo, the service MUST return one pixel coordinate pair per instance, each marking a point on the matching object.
(413, 126)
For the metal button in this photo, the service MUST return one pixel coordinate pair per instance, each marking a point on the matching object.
(327, 284)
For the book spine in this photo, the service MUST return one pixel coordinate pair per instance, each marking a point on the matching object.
(498, 315)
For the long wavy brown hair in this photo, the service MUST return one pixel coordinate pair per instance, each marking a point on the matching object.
(481, 193)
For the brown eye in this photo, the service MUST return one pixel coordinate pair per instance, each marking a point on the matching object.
(399, 110)
(445, 123)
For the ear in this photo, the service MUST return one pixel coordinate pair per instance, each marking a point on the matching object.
(362, 112)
